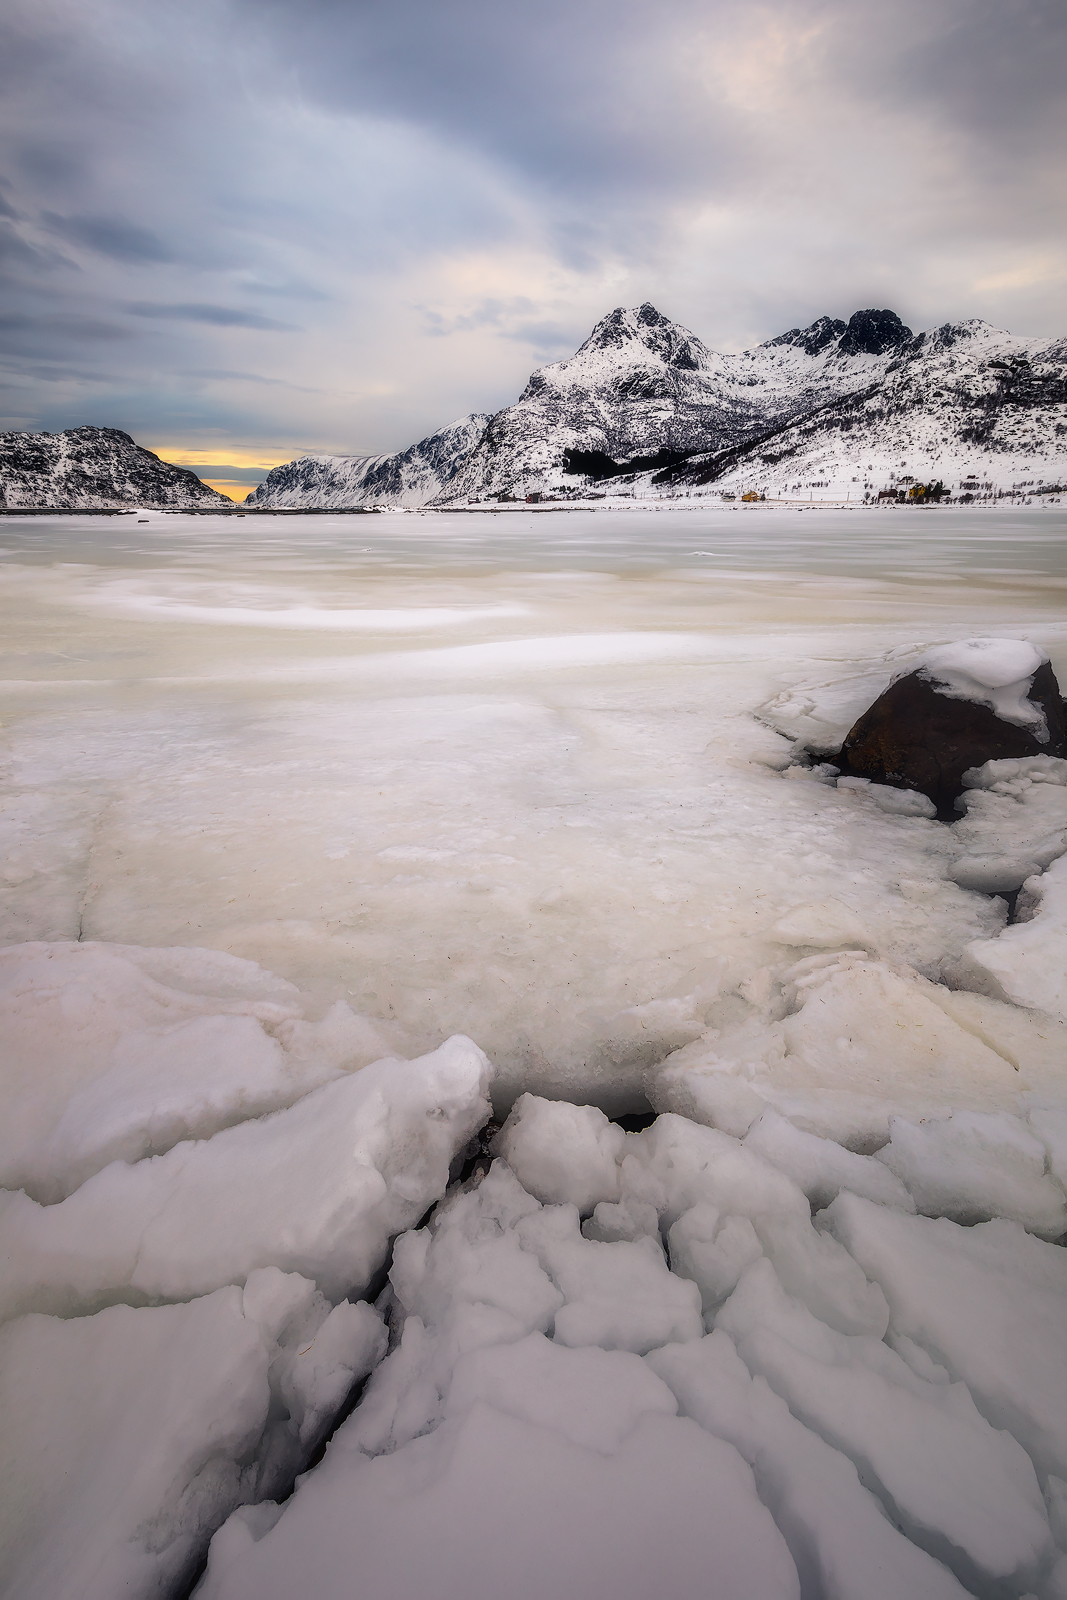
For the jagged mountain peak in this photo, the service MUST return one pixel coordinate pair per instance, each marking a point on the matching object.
(823, 331)
(872, 333)
(644, 325)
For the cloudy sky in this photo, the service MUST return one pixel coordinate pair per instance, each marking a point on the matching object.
(247, 229)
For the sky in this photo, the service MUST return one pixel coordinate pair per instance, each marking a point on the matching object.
(247, 230)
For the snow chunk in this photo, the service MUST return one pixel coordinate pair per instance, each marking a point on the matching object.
(974, 1166)
(989, 1303)
(127, 1437)
(992, 672)
(820, 1167)
(595, 1398)
(561, 1152)
(1027, 964)
(692, 1163)
(1015, 822)
(571, 1520)
(114, 1053)
(865, 1042)
(713, 1251)
(961, 1489)
(319, 1188)
(620, 1296)
(844, 1545)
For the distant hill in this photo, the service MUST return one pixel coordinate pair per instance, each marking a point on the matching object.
(86, 469)
(410, 478)
(645, 407)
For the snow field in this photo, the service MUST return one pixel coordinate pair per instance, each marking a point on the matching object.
(514, 1393)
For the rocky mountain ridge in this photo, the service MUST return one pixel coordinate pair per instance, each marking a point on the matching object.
(410, 478)
(645, 408)
(86, 469)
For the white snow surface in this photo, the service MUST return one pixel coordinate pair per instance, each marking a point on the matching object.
(514, 1391)
(264, 887)
(994, 672)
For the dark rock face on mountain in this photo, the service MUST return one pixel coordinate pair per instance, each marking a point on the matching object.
(930, 726)
(409, 478)
(86, 469)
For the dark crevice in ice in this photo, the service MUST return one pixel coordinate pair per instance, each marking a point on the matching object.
(635, 1121)
(474, 1155)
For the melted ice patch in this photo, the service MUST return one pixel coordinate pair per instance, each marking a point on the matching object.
(991, 672)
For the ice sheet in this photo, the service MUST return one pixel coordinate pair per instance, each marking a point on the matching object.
(556, 824)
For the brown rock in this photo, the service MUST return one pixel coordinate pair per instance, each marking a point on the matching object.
(915, 738)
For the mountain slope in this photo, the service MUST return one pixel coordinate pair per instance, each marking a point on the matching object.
(819, 406)
(87, 468)
(409, 478)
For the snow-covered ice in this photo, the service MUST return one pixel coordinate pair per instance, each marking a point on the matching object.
(300, 819)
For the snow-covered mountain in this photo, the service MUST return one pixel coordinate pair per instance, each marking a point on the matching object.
(645, 408)
(86, 469)
(410, 478)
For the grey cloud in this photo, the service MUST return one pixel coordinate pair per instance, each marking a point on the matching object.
(218, 316)
(64, 325)
(110, 236)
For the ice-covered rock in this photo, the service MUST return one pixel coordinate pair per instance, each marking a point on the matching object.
(960, 706)
(973, 1166)
(319, 1188)
(127, 1437)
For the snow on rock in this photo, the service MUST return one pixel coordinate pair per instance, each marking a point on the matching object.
(844, 1545)
(127, 1437)
(998, 673)
(988, 1303)
(962, 1489)
(960, 706)
(974, 1166)
(319, 1188)
(112, 1052)
(1027, 963)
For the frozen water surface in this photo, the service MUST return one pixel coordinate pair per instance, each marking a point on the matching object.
(290, 803)
(510, 775)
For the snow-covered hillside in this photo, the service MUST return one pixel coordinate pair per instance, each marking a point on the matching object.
(645, 408)
(410, 478)
(86, 469)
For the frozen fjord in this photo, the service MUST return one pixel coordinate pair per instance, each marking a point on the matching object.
(518, 777)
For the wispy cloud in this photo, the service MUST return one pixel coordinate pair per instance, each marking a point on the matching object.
(218, 316)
